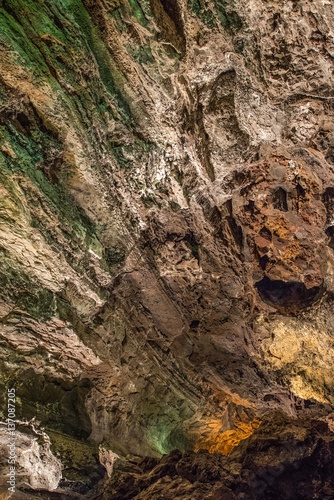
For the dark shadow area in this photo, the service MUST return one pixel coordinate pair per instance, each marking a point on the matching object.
(194, 324)
(270, 469)
(287, 296)
(169, 19)
(330, 233)
(280, 200)
(328, 201)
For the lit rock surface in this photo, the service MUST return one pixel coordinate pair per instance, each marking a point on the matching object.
(166, 242)
(36, 467)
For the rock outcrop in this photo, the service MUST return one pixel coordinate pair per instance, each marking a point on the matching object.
(166, 239)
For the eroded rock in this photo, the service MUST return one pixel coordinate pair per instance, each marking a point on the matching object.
(166, 222)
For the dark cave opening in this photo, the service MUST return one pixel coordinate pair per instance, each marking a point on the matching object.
(280, 199)
(330, 231)
(194, 324)
(287, 296)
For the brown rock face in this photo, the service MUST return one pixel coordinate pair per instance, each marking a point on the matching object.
(166, 244)
(280, 209)
(289, 467)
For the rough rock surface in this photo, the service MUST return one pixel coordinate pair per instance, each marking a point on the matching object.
(166, 240)
(36, 466)
(291, 467)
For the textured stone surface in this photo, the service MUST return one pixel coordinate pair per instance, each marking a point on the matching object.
(166, 234)
(36, 466)
(295, 465)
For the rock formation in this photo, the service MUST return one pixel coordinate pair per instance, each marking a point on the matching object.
(166, 239)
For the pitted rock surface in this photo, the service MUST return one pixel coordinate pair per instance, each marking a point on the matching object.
(166, 243)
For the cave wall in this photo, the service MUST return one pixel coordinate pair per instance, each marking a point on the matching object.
(166, 221)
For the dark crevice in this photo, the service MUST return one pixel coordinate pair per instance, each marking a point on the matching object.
(194, 324)
(169, 20)
(299, 198)
(172, 9)
(263, 262)
(193, 245)
(330, 233)
(328, 201)
(280, 199)
(266, 233)
(301, 192)
(287, 297)
(250, 207)
(58, 23)
(23, 120)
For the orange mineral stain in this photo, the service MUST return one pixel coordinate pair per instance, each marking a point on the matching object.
(215, 440)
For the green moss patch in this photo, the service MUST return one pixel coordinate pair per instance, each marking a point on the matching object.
(142, 54)
(203, 12)
(227, 16)
(78, 457)
(30, 155)
(114, 256)
(138, 12)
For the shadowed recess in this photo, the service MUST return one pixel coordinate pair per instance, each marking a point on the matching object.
(287, 296)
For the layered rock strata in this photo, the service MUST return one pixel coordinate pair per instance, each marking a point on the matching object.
(166, 234)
